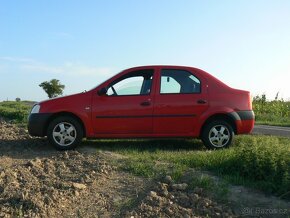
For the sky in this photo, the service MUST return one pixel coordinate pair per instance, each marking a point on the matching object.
(244, 43)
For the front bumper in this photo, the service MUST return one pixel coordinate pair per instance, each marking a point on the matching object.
(37, 124)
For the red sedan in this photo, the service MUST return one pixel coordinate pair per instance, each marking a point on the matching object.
(147, 102)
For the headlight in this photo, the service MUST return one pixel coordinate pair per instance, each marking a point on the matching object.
(35, 109)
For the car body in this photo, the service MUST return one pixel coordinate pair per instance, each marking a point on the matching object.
(147, 102)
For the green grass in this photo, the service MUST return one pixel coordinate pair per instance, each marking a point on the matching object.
(261, 162)
(218, 189)
(15, 111)
(276, 112)
(273, 123)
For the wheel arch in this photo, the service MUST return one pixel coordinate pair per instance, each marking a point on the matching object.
(220, 116)
(64, 113)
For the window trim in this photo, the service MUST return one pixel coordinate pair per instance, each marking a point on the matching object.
(186, 93)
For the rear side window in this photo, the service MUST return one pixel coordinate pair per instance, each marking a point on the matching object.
(178, 81)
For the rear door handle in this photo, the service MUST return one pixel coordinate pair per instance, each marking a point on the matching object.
(201, 101)
(145, 103)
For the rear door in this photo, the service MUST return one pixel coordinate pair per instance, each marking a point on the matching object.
(180, 99)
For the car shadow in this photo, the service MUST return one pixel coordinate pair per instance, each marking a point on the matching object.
(149, 145)
(40, 148)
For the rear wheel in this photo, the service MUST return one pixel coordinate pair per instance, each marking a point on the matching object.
(64, 133)
(217, 134)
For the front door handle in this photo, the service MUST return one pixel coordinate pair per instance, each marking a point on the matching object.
(145, 103)
(201, 101)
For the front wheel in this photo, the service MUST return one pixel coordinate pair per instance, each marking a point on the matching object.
(64, 133)
(217, 134)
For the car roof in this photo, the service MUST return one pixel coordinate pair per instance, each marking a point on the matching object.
(162, 66)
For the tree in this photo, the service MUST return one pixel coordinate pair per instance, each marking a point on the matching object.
(53, 88)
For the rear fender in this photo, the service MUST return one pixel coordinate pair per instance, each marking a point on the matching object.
(210, 114)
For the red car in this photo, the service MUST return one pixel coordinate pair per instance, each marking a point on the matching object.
(147, 102)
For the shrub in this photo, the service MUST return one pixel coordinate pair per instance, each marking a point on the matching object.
(263, 160)
(15, 111)
(272, 112)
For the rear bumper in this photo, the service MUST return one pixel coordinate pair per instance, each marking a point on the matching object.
(245, 121)
(37, 124)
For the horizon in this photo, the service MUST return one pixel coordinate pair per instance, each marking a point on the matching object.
(245, 44)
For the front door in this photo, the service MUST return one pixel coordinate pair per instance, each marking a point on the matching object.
(127, 107)
(180, 100)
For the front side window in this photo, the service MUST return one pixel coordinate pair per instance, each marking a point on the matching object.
(133, 83)
(178, 81)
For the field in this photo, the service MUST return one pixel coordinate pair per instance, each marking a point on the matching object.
(142, 178)
(260, 162)
(124, 178)
(15, 111)
(275, 112)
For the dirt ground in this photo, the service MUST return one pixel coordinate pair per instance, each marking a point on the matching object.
(38, 181)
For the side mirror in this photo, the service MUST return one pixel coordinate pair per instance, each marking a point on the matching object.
(102, 91)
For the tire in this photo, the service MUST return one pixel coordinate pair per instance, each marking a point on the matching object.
(64, 133)
(217, 134)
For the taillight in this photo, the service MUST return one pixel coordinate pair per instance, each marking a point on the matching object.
(250, 99)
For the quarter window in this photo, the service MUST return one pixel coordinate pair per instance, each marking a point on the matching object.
(178, 81)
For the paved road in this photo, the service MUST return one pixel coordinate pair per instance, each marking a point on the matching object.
(272, 130)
